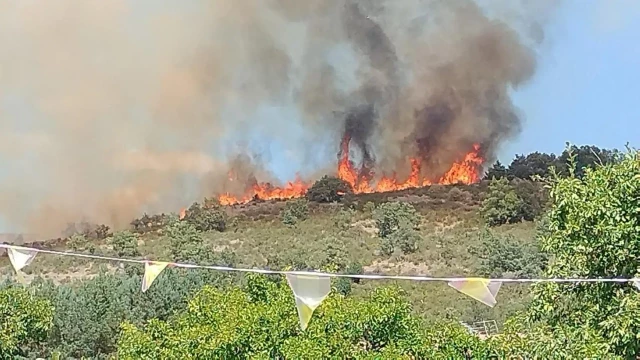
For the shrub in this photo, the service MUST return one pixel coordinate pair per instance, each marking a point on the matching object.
(503, 256)
(149, 223)
(343, 219)
(125, 244)
(387, 246)
(295, 211)
(369, 207)
(24, 321)
(185, 242)
(406, 239)
(328, 189)
(88, 230)
(207, 217)
(502, 205)
(534, 198)
(458, 195)
(77, 242)
(389, 216)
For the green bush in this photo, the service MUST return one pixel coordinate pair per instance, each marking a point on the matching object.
(369, 207)
(502, 204)
(390, 216)
(534, 198)
(125, 244)
(406, 239)
(343, 219)
(24, 322)
(77, 242)
(503, 256)
(295, 211)
(185, 242)
(328, 189)
(207, 217)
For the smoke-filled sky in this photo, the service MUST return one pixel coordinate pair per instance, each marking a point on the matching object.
(108, 109)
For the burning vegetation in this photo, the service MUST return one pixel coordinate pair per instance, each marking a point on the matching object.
(362, 180)
(386, 95)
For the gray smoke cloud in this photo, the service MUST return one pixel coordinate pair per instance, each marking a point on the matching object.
(111, 109)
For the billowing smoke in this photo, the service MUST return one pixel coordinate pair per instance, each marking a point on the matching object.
(111, 109)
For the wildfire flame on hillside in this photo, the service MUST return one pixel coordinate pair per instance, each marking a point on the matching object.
(465, 171)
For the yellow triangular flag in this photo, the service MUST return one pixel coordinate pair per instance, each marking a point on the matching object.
(151, 271)
(309, 290)
(20, 257)
(482, 290)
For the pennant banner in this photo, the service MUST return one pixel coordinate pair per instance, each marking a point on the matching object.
(151, 271)
(310, 291)
(482, 290)
(20, 257)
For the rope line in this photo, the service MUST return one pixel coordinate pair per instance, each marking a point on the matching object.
(324, 274)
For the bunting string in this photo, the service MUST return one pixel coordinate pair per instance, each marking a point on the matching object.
(324, 274)
(309, 288)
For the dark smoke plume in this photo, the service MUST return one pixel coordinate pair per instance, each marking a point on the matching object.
(111, 109)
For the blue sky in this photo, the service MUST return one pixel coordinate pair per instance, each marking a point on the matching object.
(587, 88)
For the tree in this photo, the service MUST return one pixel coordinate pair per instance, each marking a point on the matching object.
(594, 231)
(24, 321)
(125, 244)
(534, 164)
(389, 216)
(186, 242)
(496, 171)
(207, 217)
(502, 205)
(328, 189)
(88, 313)
(260, 322)
(578, 159)
(406, 238)
(534, 198)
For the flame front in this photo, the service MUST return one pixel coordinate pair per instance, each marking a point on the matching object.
(465, 171)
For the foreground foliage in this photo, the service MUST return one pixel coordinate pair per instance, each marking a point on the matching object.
(260, 322)
(594, 231)
(24, 321)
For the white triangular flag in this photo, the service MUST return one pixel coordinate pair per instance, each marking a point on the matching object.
(309, 290)
(636, 283)
(494, 287)
(151, 271)
(20, 257)
(482, 290)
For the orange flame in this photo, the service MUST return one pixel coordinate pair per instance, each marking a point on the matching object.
(183, 213)
(464, 172)
(266, 191)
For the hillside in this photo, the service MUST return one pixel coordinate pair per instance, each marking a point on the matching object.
(488, 229)
(450, 228)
